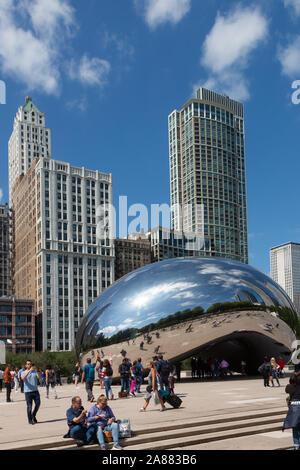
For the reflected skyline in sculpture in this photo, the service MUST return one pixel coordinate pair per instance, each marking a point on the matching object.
(172, 292)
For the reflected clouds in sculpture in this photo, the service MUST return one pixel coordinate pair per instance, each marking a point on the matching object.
(163, 289)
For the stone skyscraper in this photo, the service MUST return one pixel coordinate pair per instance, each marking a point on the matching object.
(30, 139)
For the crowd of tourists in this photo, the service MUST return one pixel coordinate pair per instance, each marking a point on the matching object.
(96, 424)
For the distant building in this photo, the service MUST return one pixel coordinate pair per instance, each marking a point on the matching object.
(208, 174)
(17, 324)
(285, 269)
(59, 260)
(131, 253)
(166, 244)
(30, 139)
(6, 248)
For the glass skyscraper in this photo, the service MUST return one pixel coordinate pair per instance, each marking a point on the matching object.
(207, 173)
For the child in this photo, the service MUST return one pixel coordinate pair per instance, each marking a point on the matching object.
(132, 384)
(171, 380)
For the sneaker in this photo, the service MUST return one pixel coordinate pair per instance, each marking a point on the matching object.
(117, 447)
(142, 409)
(163, 409)
(80, 443)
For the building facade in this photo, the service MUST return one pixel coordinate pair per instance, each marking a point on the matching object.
(17, 325)
(6, 247)
(166, 244)
(59, 260)
(207, 173)
(30, 139)
(131, 253)
(285, 270)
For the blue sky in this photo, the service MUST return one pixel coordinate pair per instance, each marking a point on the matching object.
(107, 74)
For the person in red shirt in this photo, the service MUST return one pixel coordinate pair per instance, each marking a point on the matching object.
(7, 381)
(280, 362)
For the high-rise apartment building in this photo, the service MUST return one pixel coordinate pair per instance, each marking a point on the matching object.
(207, 173)
(59, 260)
(30, 139)
(6, 247)
(285, 270)
(17, 325)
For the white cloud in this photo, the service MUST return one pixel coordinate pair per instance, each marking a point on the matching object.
(157, 12)
(23, 55)
(227, 49)
(92, 71)
(289, 58)
(47, 16)
(295, 4)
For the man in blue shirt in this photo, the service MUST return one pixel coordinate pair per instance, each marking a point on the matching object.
(30, 378)
(88, 376)
(76, 417)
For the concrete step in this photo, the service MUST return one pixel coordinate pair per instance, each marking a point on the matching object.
(201, 426)
(147, 439)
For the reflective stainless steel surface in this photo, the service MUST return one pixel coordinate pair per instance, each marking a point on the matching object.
(171, 292)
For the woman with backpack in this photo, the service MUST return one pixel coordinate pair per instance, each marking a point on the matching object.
(106, 373)
(50, 380)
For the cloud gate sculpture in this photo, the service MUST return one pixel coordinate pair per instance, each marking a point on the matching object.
(183, 307)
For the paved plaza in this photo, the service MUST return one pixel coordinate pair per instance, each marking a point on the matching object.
(201, 400)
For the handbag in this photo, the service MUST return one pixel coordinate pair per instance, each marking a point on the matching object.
(108, 436)
(124, 428)
(155, 397)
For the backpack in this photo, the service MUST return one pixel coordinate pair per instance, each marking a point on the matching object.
(51, 376)
(165, 369)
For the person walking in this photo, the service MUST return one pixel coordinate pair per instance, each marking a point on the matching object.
(163, 368)
(30, 378)
(7, 382)
(274, 371)
(178, 370)
(78, 429)
(77, 371)
(138, 370)
(107, 374)
(58, 376)
(88, 376)
(1, 379)
(19, 378)
(16, 380)
(103, 416)
(152, 387)
(265, 370)
(124, 372)
(50, 381)
(224, 368)
(292, 419)
(194, 367)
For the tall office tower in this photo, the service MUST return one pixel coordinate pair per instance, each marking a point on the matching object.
(207, 173)
(29, 139)
(6, 286)
(59, 260)
(285, 270)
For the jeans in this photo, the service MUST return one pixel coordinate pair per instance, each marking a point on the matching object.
(30, 397)
(107, 385)
(275, 376)
(125, 384)
(139, 381)
(83, 433)
(89, 388)
(296, 436)
(114, 427)
(164, 383)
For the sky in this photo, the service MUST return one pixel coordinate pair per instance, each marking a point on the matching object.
(108, 74)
